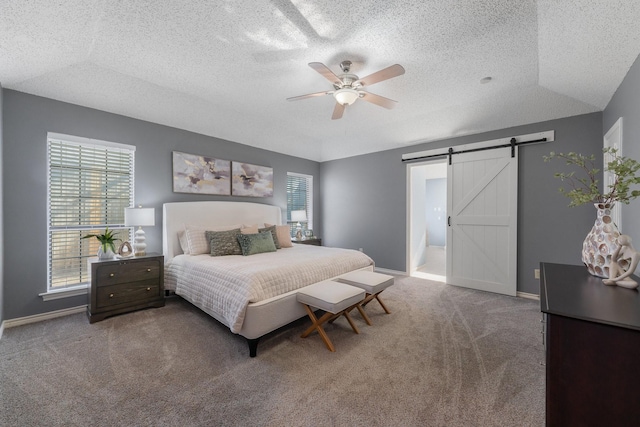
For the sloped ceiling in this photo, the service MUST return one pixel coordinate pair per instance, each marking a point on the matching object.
(225, 68)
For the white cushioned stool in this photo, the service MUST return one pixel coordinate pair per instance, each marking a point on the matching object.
(336, 299)
(372, 283)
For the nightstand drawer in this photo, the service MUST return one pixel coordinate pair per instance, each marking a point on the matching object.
(125, 272)
(127, 293)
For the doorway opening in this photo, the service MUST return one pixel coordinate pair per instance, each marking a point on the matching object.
(428, 220)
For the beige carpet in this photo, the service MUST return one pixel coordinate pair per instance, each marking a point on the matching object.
(446, 356)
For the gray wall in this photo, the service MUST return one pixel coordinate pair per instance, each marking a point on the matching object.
(1, 221)
(626, 103)
(364, 199)
(28, 118)
(436, 209)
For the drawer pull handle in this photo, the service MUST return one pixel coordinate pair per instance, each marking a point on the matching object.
(148, 270)
(110, 295)
(148, 289)
(112, 274)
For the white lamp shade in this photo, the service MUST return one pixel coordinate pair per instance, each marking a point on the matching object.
(134, 217)
(298, 216)
(346, 96)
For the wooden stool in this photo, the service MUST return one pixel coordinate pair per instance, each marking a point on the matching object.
(372, 283)
(336, 299)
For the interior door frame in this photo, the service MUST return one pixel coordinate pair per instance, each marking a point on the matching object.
(409, 216)
(613, 138)
(443, 153)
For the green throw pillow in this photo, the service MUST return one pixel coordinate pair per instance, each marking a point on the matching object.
(272, 229)
(252, 244)
(224, 242)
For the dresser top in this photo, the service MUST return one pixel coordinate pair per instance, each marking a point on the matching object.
(570, 291)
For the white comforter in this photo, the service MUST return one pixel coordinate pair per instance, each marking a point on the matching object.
(226, 285)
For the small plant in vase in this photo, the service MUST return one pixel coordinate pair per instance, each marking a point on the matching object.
(601, 242)
(107, 241)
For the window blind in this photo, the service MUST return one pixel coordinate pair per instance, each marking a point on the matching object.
(90, 184)
(300, 197)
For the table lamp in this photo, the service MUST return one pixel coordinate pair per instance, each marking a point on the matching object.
(139, 217)
(298, 217)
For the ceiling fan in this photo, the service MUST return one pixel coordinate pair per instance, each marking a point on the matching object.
(349, 87)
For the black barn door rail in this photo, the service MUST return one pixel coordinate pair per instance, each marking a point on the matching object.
(513, 144)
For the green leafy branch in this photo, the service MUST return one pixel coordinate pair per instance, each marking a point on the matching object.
(107, 240)
(584, 189)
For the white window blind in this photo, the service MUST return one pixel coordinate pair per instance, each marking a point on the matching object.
(90, 184)
(300, 197)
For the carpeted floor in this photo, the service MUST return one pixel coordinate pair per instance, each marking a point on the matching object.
(446, 356)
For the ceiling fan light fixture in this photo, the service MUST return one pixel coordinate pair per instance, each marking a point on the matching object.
(346, 96)
(349, 87)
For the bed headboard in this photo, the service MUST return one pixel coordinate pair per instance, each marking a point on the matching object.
(176, 215)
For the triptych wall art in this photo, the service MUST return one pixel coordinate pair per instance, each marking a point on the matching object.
(207, 175)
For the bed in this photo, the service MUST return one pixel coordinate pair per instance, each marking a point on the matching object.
(252, 295)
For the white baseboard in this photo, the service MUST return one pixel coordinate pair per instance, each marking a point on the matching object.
(528, 296)
(1, 329)
(392, 272)
(41, 317)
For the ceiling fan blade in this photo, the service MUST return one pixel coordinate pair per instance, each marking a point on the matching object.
(310, 95)
(326, 72)
(337, 111)
(378, 100)
(384, 74)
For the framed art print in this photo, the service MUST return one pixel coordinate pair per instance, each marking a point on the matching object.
(251, 180)
(201, 174)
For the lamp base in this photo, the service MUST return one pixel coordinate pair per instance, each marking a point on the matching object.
(139, 244)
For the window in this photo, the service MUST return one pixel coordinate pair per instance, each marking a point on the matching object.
(90, 184)
(299, 197)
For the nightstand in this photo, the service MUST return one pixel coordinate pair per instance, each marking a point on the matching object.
(124, 285)
(316, 241)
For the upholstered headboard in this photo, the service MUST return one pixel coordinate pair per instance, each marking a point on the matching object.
(176, 215)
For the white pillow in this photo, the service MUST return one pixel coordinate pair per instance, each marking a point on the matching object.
(197, 240)
(249, 229)
(282, 232)
(184, 243)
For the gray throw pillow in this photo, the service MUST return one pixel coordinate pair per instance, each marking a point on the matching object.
(224, 242)
(272, 229)
(252, 244)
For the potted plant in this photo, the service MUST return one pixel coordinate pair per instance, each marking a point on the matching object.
(107, 240)
(601, 242)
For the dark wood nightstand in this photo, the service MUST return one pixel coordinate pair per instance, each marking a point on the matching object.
(316, 242)
(123, 285)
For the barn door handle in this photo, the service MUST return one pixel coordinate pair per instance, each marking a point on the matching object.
(449, 221)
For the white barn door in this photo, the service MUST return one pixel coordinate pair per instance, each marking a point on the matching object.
(482, 207)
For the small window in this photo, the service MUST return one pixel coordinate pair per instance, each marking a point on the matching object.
(300, 197)
(90, 184)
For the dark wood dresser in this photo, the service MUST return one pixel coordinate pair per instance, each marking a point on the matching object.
(125, 285)
(592, 341)
(315, 241)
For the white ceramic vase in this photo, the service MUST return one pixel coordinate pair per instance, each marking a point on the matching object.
(105, 255)
(601, 242)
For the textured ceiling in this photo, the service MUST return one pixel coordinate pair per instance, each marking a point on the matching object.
(224, 68)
